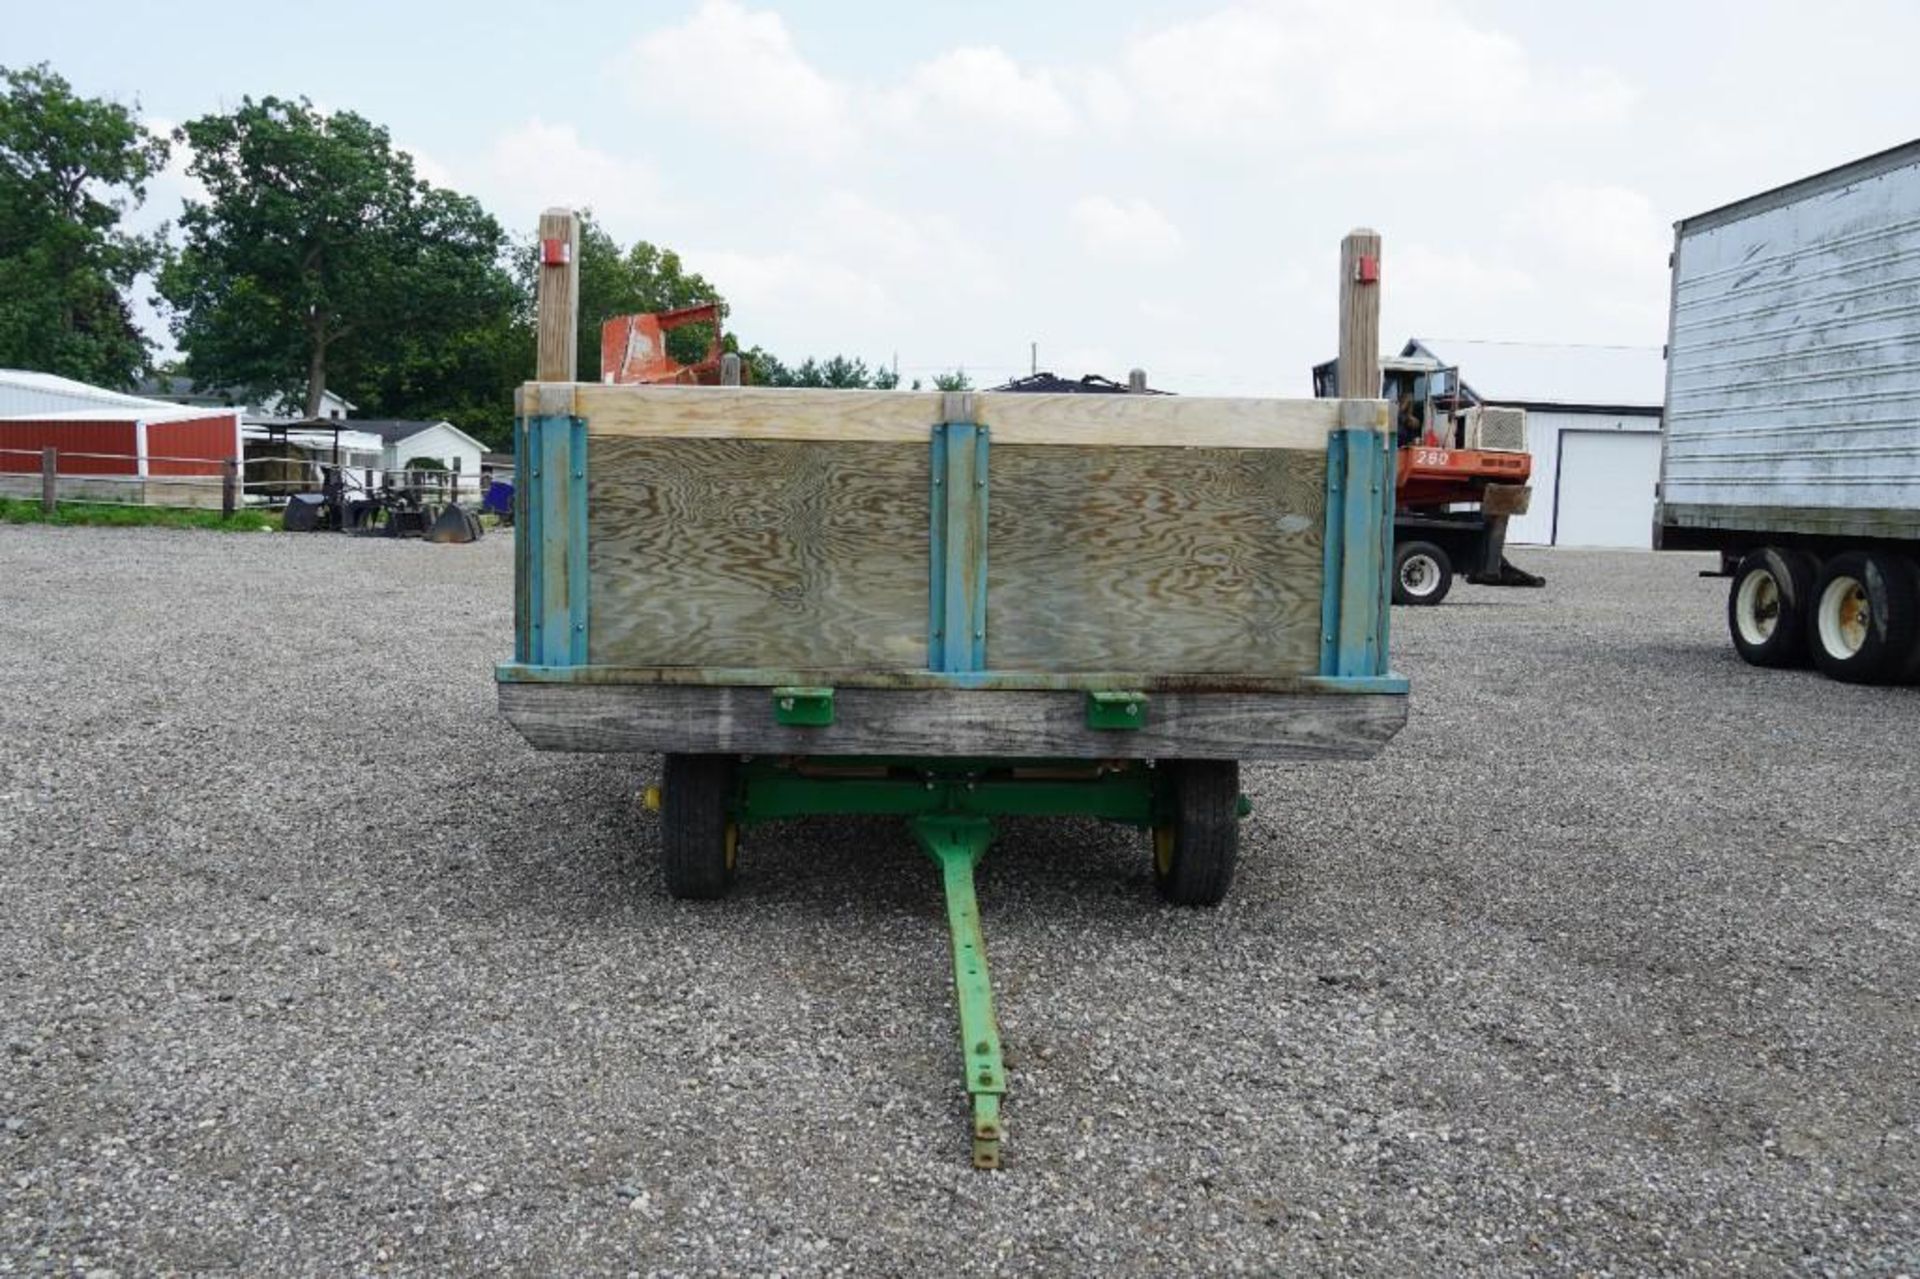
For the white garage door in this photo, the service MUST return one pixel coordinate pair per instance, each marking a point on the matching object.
(1606, 488)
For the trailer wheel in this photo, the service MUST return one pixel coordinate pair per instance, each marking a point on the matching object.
(1866, 617)
(1769, 606)
(1422, 573)
(699, 840)
(1198, 838)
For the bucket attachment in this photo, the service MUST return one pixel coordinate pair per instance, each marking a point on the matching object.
(305, 512)
(455, 524)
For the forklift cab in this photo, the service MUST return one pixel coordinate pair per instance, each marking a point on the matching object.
(1425, 396)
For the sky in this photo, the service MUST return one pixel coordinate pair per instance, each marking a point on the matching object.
(1127, 183)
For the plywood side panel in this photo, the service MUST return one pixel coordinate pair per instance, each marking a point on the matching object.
(1202, 561)
(711, 552)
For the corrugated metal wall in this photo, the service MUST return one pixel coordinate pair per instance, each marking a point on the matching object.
(21, 442)
(212, 438)
(1795, 353)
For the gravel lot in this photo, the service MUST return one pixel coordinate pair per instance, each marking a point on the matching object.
(309, 965)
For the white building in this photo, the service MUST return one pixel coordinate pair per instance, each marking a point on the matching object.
(1593, 427)
(446, 443)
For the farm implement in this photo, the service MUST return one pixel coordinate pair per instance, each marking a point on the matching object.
(956, 609)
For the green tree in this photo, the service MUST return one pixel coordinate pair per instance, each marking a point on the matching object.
(319, 258)
(836, 372)
(954, 381)
(70, 170)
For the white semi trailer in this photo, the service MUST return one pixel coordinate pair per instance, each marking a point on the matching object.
(1791, 438)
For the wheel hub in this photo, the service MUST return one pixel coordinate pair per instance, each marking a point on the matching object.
(1759, 609)
(1844, 614)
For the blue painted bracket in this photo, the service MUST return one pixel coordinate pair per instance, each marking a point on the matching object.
(1359, 546)
(550, 540)
(957, 546)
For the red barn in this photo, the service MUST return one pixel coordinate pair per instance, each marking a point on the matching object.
(110, 446)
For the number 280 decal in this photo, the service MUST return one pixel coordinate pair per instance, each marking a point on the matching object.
(1431, 457)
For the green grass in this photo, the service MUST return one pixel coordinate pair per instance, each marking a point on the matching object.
(104, 515)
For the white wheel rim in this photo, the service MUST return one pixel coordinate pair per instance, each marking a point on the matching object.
(1419, 575)
(1756, 609)
(1844, 609)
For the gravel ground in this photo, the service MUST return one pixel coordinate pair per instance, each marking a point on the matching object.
(309, 965)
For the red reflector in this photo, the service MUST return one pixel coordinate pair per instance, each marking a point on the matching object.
(1367, 269)
(555, 252)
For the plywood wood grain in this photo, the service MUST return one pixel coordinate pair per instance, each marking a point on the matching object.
(1172, 560)
(708, 552)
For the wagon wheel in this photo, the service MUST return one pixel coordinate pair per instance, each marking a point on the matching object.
(1198, 837)
(699, 840)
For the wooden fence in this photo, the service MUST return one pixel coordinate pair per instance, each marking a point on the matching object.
(231, 484)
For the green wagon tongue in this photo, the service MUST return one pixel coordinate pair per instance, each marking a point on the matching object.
(956, 845)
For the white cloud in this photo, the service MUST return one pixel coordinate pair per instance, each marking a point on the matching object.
(1261, 73)
(797, 301)
(1422, 274)
(1129, 231)
(929, 249)
(1610, 227)
(738, 70)
(981, 94)
(536, 165)
(427, 168)
(1605, 243)
(1315, 70)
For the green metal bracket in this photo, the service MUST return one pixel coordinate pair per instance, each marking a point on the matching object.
(803, 707)
(956, 845)
(1116, 710)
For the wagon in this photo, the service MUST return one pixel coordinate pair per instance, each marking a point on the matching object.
(953, 608)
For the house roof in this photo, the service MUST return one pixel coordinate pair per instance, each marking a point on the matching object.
(25, 393)
(399, 431)
(1545, 375)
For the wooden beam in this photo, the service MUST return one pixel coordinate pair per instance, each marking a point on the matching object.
(1359, 373)
(868, 721)
(756, 413)
(785, 413)
(559, 285)
(1187, 421)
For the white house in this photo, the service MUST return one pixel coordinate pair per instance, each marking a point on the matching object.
(1593, 427)
(269, 408)
(404, 441)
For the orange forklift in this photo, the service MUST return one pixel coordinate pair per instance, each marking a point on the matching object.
(1462, 474)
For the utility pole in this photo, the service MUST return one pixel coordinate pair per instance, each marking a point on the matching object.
(1033, 358)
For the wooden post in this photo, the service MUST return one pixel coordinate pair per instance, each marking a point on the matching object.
(559, 249)
(1360, 315)
(229, 488)
(1136, 381)
(730, 369)
(49, 479)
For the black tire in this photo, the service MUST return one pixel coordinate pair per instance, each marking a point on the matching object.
(1864, 621)
(1770, 604)
(698, 838)
(1198, 840)
(1422, 573)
